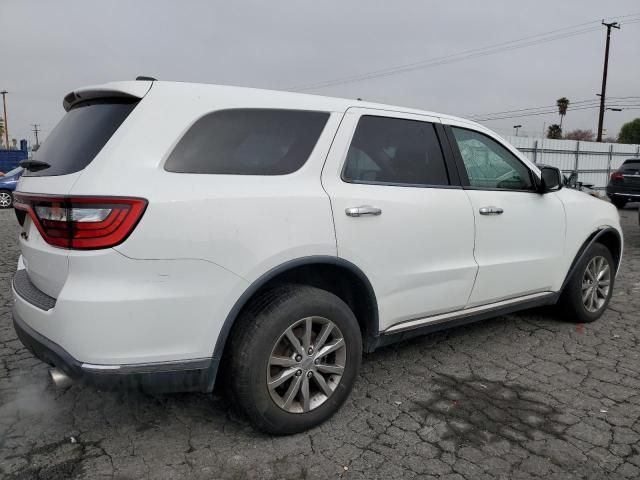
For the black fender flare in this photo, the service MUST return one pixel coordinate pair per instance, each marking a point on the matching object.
(593, 238)
(233, 314)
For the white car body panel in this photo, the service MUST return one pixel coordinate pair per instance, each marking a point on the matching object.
(418, 254)
(114, 310)
(517, 251)
(585, 216)
(244, 223)
(164, 294)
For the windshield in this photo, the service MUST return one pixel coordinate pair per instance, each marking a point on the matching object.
(11, 173)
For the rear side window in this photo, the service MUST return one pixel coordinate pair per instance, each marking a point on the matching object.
(248, 142)
(395, 151)
(80, 135)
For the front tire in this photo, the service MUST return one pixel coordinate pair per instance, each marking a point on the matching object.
(6, 199)
(587, 295)
(295, 356)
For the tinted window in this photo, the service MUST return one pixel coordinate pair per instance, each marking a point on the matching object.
(396, 151)
(248, 142)
(489, 164)
(11, 173)
(631, 166)
(80, 135)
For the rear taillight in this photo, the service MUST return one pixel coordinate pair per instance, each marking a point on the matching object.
(83, 223)
(617, 176)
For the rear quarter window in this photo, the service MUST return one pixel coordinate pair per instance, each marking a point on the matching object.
(248, 142)
(80, 135)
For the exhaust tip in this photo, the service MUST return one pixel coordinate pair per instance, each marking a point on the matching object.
(60, 379)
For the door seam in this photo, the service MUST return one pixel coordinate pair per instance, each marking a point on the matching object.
(324, 164)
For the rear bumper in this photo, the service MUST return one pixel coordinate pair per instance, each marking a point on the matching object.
(119, 322)
(632, 194)
(187, 376)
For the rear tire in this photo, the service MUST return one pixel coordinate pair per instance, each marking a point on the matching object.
(6, 199)
(619, 203)
(587, 295)
(263, 352)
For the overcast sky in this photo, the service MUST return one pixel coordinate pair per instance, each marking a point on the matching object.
(50, 47)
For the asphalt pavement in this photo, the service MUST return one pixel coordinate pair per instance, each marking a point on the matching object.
(527, 395)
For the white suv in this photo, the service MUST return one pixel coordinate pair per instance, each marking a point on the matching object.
(173, 231)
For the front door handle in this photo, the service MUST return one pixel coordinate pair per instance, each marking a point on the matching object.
(490, 210)
(362, 210)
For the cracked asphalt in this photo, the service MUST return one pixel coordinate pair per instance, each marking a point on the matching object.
(517, 397)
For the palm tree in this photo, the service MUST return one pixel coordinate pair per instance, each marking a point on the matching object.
(1, 130)
(563, 105)
(555, 131)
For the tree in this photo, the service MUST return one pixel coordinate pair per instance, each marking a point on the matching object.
(1, 129)
(630, 132)
(583, 135)
(555, 131)
(563, 105)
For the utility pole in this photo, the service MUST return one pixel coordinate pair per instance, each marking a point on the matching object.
(6, 123)
(35, 132)
(604, 76)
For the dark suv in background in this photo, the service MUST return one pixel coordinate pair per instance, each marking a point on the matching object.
(624, 185)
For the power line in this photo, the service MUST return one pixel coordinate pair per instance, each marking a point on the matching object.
(554, 111)
(572, 106)
(468, 54)
(551, 112)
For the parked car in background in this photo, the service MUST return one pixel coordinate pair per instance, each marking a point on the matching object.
(277, 236)
(8, 184)
(624, 185)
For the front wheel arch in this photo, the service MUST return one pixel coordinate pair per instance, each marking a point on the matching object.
(609, 237)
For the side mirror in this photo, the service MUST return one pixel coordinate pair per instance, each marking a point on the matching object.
(552, 179)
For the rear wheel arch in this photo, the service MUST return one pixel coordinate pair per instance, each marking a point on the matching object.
(333, 274)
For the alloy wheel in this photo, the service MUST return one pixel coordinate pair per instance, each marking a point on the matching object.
(5, 199)
(306, 364)
(596, 283)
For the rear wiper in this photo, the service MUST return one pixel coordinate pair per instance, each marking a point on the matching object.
(34, 165)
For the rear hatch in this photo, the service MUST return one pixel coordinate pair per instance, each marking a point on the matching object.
(631, 174)
(93, 115)
(627, 177)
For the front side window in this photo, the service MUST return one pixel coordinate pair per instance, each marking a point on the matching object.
(248, 142)
(395, 151)
(489, 164)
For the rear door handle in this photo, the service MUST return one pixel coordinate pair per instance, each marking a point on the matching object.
(490, 210)
(362, 210)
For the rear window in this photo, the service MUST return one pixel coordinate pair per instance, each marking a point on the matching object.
(248, 142)
(630, 165)
(80, 135)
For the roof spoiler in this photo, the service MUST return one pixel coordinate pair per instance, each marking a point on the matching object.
(136, 89)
